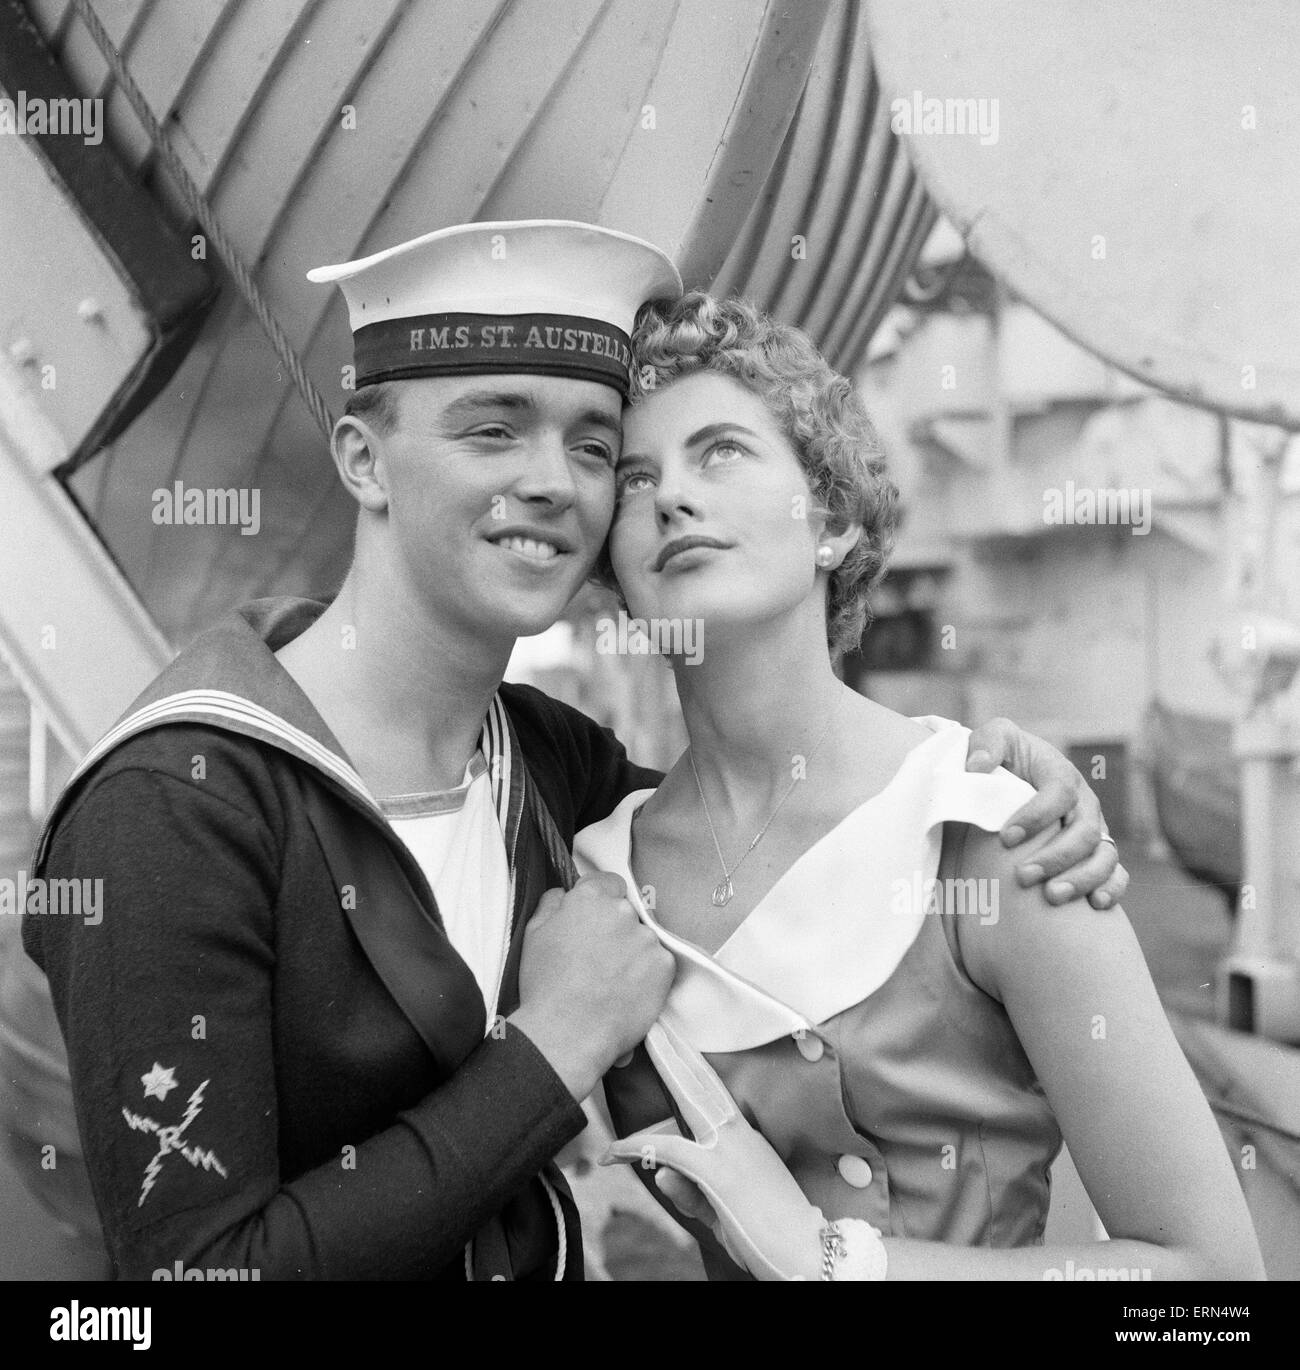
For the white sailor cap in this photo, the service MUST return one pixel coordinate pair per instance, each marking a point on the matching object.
(546, 296)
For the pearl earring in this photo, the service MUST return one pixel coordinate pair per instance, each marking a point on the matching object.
(825, 555)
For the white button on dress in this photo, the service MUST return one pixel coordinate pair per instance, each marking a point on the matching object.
(854, 1170)
(811, 1047)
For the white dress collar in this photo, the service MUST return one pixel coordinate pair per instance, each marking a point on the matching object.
(837, 923)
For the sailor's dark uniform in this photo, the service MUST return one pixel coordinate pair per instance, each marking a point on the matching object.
(279, 1061)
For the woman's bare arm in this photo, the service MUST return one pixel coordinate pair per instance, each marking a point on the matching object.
(1076, 987)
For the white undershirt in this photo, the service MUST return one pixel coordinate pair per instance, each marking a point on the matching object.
(456, 838)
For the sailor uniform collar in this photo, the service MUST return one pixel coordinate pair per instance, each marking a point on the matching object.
(229, 678)
(839, 921)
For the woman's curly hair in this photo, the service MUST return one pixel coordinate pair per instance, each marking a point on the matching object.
(819, 411)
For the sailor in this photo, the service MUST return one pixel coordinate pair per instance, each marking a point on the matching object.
(338, 1015)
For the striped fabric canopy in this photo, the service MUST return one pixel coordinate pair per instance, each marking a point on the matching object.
(750, 140)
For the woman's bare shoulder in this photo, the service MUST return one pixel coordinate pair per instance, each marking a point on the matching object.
(1026, 933)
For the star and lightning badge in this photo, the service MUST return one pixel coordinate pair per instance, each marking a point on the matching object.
(158, 1083)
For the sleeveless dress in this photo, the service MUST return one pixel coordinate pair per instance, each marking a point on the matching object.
(840, 1017)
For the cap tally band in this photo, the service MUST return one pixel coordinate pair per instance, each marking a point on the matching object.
(463, 344)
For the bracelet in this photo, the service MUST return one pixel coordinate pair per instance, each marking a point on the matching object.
(833, 1248)
(860, 1248)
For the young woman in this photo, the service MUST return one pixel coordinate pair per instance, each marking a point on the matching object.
(905, 1031)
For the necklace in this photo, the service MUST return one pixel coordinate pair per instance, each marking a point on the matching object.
(723, 892)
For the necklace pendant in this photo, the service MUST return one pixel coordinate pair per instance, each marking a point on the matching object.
(722, 893)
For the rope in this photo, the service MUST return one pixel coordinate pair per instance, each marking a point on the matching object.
(203, 212)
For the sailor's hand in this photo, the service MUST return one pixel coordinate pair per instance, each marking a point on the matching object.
(592, 978)
(1080, 859)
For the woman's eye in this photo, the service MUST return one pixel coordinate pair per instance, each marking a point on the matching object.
(725, 451)
(633, 483)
